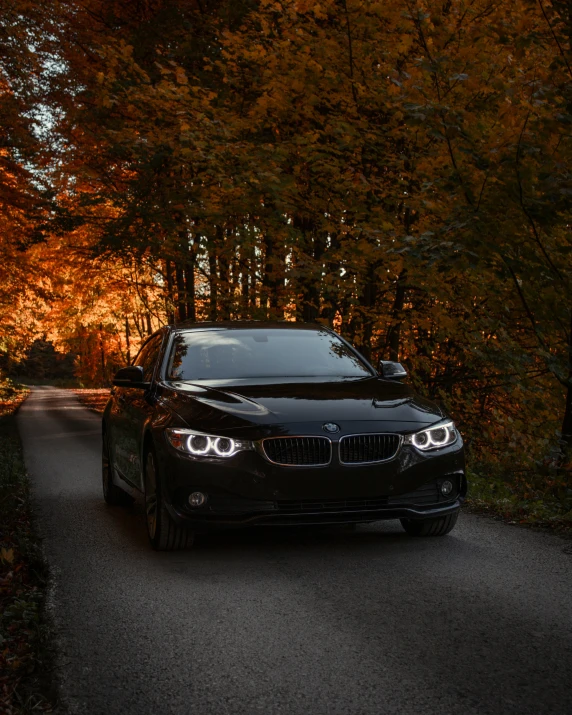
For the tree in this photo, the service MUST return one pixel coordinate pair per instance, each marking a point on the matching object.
(395, 170)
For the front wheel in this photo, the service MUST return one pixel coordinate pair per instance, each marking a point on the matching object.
(163, 533)
(437, 526)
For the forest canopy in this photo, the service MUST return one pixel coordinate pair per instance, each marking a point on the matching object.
(398, 170)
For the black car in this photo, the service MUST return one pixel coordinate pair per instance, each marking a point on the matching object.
(236, 424)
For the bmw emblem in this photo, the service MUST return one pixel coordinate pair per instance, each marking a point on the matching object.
(331, 427)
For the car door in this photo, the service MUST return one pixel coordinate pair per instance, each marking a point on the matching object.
(133, 407)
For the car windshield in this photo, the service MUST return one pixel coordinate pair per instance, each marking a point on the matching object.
(243, 353)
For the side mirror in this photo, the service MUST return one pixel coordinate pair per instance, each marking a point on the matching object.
(131, 376)
(391, 370)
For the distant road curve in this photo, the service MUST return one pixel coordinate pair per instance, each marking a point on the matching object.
(306, 622)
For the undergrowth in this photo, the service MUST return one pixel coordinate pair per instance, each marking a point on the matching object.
(26, 656)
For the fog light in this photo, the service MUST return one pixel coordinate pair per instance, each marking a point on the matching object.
(197, 499)
(446, 488)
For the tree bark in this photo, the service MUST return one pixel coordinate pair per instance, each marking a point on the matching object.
(190, 286)
(245, 284)
(273, 277)
(224, 285)
(311, 250)
(127, 340)
(393, 338)
(368, 302)
(102, 349)
(213, 285)
(181, 298)
(169, 299)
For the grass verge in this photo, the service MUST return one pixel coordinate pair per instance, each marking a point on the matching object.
(26, 657)
(543, 500)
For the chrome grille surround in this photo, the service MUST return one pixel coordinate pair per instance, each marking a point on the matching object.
(355, 449)
(302, 451)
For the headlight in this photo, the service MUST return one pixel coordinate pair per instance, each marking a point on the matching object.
(199, 444)
(433, 438)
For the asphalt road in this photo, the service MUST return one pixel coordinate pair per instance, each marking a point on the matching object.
(291, 622)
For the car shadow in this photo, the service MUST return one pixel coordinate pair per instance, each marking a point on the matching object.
(260, 541)
(126, 532)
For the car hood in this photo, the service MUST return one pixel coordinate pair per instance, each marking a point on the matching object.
(243, 403)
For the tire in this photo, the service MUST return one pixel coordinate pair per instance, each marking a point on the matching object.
(113, 495)
(164, 534)
(438, 526)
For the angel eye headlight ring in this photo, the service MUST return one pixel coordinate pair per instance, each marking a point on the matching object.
(198, 444)
(433, 437)
(223, 446)
(439, 437)
(420, 440)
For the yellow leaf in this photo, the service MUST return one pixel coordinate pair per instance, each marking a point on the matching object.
(181, 76)
(7, 555)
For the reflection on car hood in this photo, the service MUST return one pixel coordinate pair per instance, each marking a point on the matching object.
(269, 401)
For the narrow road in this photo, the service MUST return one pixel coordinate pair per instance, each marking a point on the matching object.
(291, 622)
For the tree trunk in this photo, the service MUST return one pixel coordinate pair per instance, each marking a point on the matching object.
(136, 321)
(331, 291)
(235, 286)
(190, 285)
(213, 298)
(102, 349)
(127, 341)
(393, 338)
(368, 302)
(169, 299)
(273, 277)
(311, 249)
(245, 285)
(181, 302)
(224, 286)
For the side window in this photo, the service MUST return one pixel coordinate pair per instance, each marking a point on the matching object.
(148, 356)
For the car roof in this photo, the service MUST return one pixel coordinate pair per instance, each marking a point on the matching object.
(246, 324)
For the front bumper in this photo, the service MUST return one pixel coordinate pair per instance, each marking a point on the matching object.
(310, 513)
(247, 490)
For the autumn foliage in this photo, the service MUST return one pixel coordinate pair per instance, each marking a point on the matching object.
(398, 170)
